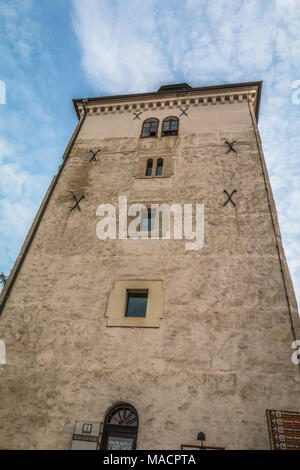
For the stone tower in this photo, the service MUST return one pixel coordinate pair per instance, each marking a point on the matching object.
(143, 342)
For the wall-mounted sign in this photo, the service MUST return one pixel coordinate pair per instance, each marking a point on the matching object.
(86, 435)
(284, 429)
(119, 443)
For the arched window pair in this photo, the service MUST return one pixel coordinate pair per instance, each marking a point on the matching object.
(120, 428)
(169, 127)
(159, 167)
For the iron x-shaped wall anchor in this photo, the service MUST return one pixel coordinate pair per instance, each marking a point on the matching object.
(77, 203)
(137, 115)
(183, 111)
(230, 145)
(94, 155)
(229, 197)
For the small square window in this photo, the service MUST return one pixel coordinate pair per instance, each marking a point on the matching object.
(120, 302)
(136, 303)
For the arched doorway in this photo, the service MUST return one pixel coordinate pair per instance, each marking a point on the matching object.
(120, 428)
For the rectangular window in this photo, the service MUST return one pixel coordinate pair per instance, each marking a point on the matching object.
(136, 303)
(122, 300)
(147, 220)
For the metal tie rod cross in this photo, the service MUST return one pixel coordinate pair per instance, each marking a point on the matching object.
(229, 197)
(137, 115)
(230, 145)
(77, 203)
(94, 155)
(183, 111)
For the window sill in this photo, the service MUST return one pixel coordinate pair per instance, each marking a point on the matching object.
(148, 137)
(117, 304)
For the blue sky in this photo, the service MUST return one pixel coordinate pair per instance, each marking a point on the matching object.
(54, 50)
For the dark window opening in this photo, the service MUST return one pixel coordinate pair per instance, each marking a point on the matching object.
(136, 303)
(159, 167)
(147, 220)
(149, 168)
(150, 127)
(170, 126)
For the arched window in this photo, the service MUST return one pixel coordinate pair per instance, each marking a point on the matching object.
(150, 127)
(159, 167)
(170, 126)
(120, 428)
(149, 168)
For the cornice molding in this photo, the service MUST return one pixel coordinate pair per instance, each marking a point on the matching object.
(198, 96)
(168, 102)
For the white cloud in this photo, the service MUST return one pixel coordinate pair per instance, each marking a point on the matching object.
(26, 124)
(21, 193)
(120, 62)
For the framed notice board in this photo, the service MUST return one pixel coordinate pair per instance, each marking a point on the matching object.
(284, 429)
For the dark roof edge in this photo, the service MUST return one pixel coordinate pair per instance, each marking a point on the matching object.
(158, 94)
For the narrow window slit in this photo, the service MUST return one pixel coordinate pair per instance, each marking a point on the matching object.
(149, 168)
(159, 167)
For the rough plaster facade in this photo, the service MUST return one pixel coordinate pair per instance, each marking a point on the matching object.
(222, 352)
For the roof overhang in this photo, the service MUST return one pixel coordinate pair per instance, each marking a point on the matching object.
(180, 90)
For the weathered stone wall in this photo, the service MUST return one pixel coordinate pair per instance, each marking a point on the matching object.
(222, 353)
